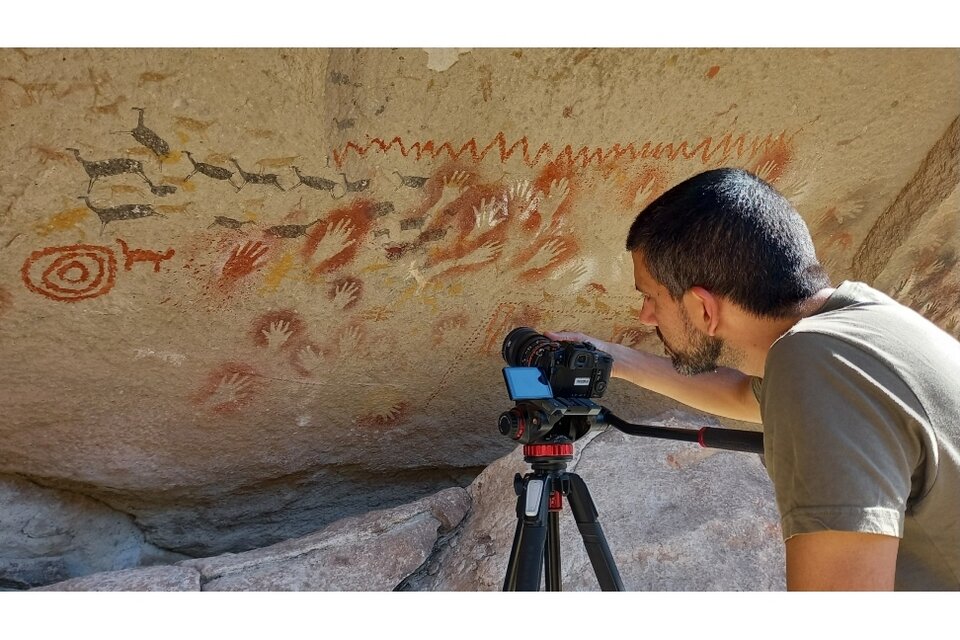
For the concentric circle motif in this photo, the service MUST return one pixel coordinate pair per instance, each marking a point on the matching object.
(72, 273)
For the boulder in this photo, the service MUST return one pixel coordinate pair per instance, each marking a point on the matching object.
(160, 578)
(48, 535)
(373, 552)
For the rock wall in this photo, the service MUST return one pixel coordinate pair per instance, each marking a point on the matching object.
(246, 293)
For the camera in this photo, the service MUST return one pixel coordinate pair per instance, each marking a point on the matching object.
(552, 383)
(573, 369)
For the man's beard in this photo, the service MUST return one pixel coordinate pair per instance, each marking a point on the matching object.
(702, 355)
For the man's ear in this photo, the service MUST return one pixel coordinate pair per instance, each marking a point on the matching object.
(704, 309)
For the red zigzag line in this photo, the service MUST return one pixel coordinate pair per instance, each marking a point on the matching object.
(706, 149)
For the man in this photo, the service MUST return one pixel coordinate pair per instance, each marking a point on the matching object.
(858, 395)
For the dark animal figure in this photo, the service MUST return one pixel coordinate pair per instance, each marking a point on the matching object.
(355, 187)
(229, 223)
(257, 178)
(102, 168)
(414, 182)
(161, 189)
(291, 230)
(210, 170)
(148, 138)
(120, 212)
(314, 182)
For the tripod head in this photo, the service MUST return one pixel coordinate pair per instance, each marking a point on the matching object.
(540, 418)
(546, 420)
(546, 426)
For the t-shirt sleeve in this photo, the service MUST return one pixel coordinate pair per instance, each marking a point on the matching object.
(837, 444)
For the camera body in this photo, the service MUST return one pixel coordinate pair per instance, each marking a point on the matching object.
(552, 383)
(573, 369)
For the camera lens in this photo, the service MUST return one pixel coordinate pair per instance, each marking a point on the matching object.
(522, 347)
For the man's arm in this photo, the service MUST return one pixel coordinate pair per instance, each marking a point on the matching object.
(724, 392)
(841, 561)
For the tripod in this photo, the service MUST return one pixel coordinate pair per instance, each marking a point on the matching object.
(540, 492)
(537, 538)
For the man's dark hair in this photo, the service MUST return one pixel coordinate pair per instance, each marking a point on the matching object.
(731, 233)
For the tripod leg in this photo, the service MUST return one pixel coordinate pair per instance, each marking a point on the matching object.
(585, 513)
(552, 568)
(510, 581)
(525, 566)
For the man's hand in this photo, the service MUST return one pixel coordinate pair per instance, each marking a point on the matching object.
(571, 336)
(841, 561)
(618, 351)
(724, 392)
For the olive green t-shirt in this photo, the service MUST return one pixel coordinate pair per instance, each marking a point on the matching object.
(861, 418)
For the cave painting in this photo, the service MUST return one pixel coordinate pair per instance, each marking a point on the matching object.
(148, 138)
(414, 182)
(96, 169)
(120, 212)
(464, 225)
(344, 293)
(318, 183)
(131, 256)
(335, 243)
(230, 223)
(256, 178)
(371, 236)
(290, 230)
(72, 273)
(209, 170)
(476, 241)
(723, 150)
(463, 222)
(278, 329)
(228, 388)
(310, 360)
(461, 225)
(243, 260)
(62, 221)
(82, 271)
(398, 234)
(386, 411)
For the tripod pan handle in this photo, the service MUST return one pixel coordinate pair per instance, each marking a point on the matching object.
(733, 439)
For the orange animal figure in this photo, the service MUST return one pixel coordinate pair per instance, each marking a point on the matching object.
(130, 256)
